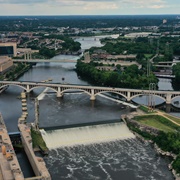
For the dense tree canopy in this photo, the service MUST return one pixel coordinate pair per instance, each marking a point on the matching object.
(38, 23)
(130, 47)
(47, 52)
(176, 72)
(131, 77)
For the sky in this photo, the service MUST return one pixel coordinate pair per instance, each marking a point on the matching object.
(88, 7)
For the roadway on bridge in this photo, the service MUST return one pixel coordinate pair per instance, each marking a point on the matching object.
(129, 94)
(45, 60)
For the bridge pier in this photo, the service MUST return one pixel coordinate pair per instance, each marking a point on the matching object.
(128, 96)
(168, 108)
(27, 55)
(27, 89)
(168, 98)
(59, 94)
(92, 98)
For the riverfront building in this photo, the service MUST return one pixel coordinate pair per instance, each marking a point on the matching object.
(8, 49)
(5, 64)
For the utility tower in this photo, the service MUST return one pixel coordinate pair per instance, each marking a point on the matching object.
(148, 68)
(55, 45)
(36, 114)
(151, 97)
(157, 50)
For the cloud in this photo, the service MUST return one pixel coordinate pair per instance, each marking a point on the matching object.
(100, 6)
(145, 3)
(89, 4)
(70, 7)
(23, 1)
(112, 4)
(157, 6)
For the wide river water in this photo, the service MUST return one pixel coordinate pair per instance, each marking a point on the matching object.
(103, 152)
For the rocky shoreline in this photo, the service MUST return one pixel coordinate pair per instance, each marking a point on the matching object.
(155, 146)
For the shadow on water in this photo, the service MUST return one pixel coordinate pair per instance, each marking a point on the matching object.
(168, 108)
(24, 164)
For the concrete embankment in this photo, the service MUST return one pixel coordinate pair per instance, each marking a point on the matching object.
(37, 163)
(9, 165)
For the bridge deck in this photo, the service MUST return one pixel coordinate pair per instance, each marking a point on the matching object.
(80, 87)
(129, 94)
(44, 60)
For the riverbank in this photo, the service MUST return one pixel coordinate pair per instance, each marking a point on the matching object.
(14, 74)
(157, 138)
(17, 71)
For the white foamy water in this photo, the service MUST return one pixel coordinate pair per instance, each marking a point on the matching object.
(42, 95)
(122, 102)
(86, 135)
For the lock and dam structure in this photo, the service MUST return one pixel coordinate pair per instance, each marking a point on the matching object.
(9, 165)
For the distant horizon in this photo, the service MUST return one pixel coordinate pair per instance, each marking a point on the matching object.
(87, 7)
(96, 15)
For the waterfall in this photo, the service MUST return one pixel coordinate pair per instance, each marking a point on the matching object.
(86, 135)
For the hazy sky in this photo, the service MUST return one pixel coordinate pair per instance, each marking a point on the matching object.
(88, 7)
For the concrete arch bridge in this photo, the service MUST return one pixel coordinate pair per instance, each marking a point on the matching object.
(92, 91)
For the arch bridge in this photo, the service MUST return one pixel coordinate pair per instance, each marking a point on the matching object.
(92, 91)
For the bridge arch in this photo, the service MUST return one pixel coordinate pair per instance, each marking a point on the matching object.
(164, 99)
(13, 85)
(111, 92)
(175, 97)
(75, 89)
(42, 87)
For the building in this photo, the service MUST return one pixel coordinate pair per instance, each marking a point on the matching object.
(122, 57)
(5, 64)
(8, 49)
(138, 34)
(22, 51)
(164, 21)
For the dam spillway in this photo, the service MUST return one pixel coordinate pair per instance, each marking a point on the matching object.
(86, 135)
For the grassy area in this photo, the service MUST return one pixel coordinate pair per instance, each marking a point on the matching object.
(148, 55)
(145, 109)
(38, 141)
(158, 122)
(177, 120)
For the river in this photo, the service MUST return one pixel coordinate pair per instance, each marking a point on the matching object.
(120, 158)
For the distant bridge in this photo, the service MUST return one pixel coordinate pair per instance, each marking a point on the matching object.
(167, 64)
(164, 75)
(92, 91)
(44, 60)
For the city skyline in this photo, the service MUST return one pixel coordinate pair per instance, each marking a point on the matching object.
(88, 7)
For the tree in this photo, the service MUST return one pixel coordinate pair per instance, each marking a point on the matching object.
(47, 52)
(176, 72)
